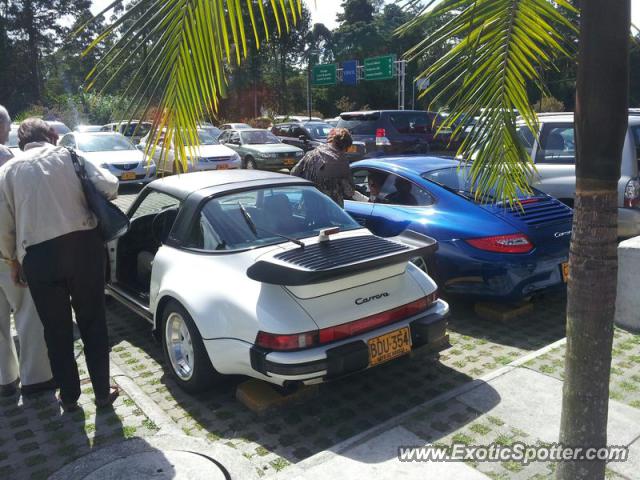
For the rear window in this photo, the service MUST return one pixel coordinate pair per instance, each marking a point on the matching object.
(557, 144)
(360, 124)
(411, 122)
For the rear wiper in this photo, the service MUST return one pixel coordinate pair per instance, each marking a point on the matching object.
(254, 228)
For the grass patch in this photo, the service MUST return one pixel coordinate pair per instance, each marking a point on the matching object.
(495, 420)
(279, 464)
(479, 428)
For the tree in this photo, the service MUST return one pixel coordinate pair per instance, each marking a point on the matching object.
(184, 72)
(506, 45)
(602, 100)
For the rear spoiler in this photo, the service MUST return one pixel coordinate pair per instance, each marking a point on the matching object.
(339, 258)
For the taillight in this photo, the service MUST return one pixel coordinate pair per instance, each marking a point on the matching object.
(514, 243)
(381, 137)
(298, 341)
(632, 193)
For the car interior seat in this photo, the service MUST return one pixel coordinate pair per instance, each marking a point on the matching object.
(554, 142)
(160, 229)
(278, 213)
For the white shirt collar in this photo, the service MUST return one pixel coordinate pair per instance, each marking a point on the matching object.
(31, 145)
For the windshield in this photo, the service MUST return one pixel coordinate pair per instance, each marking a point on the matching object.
(134, 129)
(104, 143)
(459, 180)
(318, 130)
(13, 139)
(294, 211)
(204, 138)
(258, 137)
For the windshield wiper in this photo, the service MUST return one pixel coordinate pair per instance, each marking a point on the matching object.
(254, 228)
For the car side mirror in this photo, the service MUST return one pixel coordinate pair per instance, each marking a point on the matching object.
(140, 147)
(303, 138)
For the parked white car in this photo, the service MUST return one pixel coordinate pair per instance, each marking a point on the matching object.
(114, 152)
(134, 130)
(553, 152)
(258, 273)
(209, 155)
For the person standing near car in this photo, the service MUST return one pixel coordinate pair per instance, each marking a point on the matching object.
(327, 167)
(32, 367)
(46, 226)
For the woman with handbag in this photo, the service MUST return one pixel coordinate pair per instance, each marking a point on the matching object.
(48, 229)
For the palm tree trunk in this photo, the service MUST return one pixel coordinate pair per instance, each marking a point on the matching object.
(601, 125)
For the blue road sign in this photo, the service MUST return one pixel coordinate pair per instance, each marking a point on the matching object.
(350, 72)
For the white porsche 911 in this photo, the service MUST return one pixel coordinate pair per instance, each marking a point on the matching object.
(257, 273)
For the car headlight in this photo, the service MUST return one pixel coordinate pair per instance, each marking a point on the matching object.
(268, 155)
(235, 157)
(299, 154)
(104, 165)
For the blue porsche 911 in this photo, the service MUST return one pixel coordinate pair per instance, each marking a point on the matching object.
(487, 249)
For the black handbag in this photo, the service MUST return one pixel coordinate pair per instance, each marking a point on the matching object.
(112, 222)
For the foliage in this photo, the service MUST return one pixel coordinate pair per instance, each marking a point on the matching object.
(184, 72)
(548, 104)
(29, 36)
(497, 48)
(345, 104)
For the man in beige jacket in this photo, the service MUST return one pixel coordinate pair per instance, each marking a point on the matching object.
(47, 227)
(33, 368)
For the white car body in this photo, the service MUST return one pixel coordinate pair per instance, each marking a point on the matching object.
(129, 165)
(232, 296)
(556, 171)
(201, 158)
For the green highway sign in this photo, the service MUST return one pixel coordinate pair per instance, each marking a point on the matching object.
(324, 74)
(379, 68)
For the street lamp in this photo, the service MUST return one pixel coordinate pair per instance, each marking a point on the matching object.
(310, 51)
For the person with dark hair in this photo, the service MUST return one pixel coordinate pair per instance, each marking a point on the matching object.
(47, 228)
(327, 167)
(402, 195)
(31, 367)
(375, 181)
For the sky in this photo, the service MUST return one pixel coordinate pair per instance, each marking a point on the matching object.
(324, 11)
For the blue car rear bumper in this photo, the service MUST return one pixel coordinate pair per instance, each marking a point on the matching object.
(463, 270)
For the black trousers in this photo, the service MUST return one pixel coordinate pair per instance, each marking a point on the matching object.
(65, 272)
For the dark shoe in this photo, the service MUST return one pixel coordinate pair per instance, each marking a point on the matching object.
(35, 388)
(9, 389)
(109, 399)
(68, 407)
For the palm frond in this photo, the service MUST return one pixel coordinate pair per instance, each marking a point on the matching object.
(498, 48)
(190, 45)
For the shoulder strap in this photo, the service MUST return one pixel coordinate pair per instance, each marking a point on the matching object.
(77, 165)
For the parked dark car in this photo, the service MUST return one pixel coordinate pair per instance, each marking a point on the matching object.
(309, 135)
(397, 131)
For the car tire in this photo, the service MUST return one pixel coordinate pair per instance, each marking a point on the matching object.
(184, 351)
(250, 163)
(426, 265)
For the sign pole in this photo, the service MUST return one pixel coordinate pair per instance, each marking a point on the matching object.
(309, 88)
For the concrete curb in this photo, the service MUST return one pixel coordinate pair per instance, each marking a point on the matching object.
(153, 412)
(321, 457)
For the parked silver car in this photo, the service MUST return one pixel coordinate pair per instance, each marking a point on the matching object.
(553, 151)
